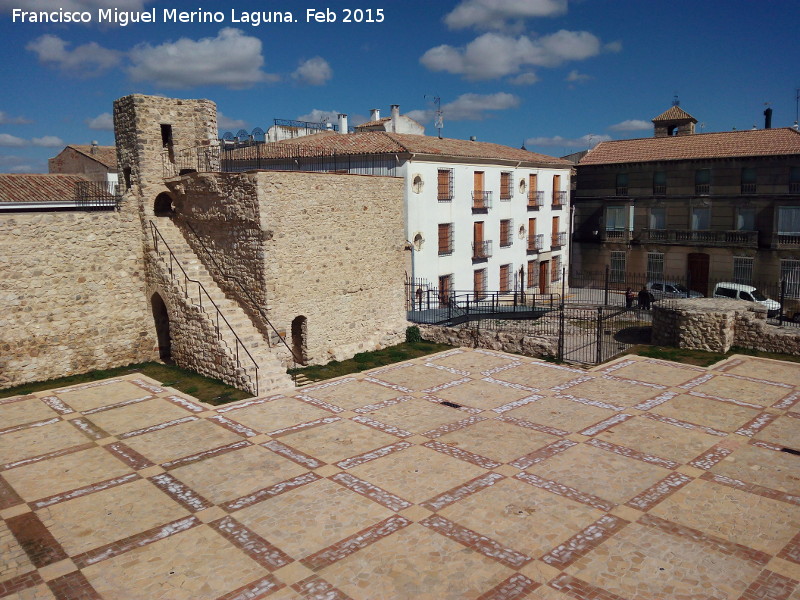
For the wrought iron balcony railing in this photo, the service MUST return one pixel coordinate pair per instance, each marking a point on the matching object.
(558, 239)
(704, 237)
(535, 243)
(535, 199)
(559, 198)
(481, 201)
(481, 250)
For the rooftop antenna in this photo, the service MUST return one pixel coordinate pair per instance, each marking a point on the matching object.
(797, 106)
(675, 101)
(523, 146)
(438, 120)
(702, 127)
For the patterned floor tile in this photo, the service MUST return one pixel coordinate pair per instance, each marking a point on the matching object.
(100, 393)
(417, 473)
(744, 518)
(64, 473)
(417, 415)
(724, 416)
(526, 518)
(35, 441)
(497, 440)
(336, 441)
(198, 564)
(473, 362)
(351, 394)
(14, 560)
(98, 519)
(24, 411)
(415, 562)
(184, 439)
(137, 416)
(237, 473)
(739, 388)
(538, 375)
(616, 392)
(775, 470)
(660, 439)
(768, 370)
(482, 394)
(651, 371)
(590, 469)
(415, 377)
(307, 519)
(277, 414)
(783, 431)
(561, 413)
(640, 563)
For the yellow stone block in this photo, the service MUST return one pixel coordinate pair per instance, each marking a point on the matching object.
(57, 569)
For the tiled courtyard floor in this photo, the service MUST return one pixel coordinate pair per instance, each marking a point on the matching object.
(466, 474)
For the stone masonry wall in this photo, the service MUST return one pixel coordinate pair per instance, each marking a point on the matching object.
(325, 246)
(716, 325)
(334, 253)
(72, 288)
(194, 342)
(517, 343)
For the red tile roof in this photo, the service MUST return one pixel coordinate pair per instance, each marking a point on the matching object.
(18, 187)
(727, 144)
(106, 155)
(674, 113)
(374, 123)
(383, 142)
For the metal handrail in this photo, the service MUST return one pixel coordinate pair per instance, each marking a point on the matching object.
(200, 291)
(244, 291)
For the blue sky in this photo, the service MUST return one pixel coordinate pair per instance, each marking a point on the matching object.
(557, 74)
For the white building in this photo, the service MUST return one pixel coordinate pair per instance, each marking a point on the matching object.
(479, 216)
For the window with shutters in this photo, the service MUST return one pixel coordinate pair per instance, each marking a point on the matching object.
(506, 185)
(445, 239)
(445, 185)
(506, 233)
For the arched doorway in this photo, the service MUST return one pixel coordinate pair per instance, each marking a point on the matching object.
(163, 206)
(161, 318)
(300, 339)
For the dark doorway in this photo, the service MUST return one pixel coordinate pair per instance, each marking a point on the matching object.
(697, 264)
(161, 318)
(544, 268)
(163, 206)
(299, 339)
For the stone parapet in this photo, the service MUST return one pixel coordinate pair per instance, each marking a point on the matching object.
(518, 343)
(716, 325)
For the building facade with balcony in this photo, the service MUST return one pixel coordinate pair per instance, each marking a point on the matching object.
(479, 216)
(694, 207)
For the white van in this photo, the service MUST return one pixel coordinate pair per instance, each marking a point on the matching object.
(740, 291)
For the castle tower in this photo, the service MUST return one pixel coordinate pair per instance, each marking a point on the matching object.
(674, 121)
(159, 137)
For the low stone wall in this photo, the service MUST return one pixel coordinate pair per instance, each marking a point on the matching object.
(517, 343)
(716, 325)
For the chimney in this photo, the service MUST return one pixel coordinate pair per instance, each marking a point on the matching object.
(768, 118)
(395, 115)
(342, 123)
(375, 114)
(94, 147)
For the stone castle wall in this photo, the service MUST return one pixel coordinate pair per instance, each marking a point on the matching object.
(717, 325)
(72, 291)
(328, 247)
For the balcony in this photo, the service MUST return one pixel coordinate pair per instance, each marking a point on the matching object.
(659, 190)
(702, 189)
(786, 240)
(615, 235)
(535, 243)
(701, 237)
(558, 239)
(481, 201)
(622, 190)
(481, 250)
(535, 199)
(559, 198)
(749, 188)
(794, 187)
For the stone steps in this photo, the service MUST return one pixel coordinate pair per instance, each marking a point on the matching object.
(271, 373)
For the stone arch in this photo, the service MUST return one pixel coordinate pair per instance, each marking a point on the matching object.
(300, 339)
(161, 318)
(163, 205)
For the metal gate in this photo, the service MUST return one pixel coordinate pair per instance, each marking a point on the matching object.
(594, 335)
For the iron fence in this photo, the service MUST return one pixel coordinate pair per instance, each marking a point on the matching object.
(92, 195)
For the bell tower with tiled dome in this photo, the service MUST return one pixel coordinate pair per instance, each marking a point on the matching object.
(674, 122)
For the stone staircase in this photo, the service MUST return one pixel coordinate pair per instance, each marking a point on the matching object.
(272, 374)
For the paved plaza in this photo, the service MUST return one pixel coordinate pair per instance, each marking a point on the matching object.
(462, 475)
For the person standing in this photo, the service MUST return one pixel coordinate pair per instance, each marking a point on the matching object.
(644, 298)
(629, 296)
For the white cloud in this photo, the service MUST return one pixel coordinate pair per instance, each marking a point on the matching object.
(73, 5)
(225, 122)
(496, 14)
(314, 71)
(320, 116)
(590, 140)
(525, 79)
(632, 125)
(493, 55)
(26, 168)
(21, 164)
(469, 107)
(102, 122)
(576, 77)
(5, 119)
(47, 141)
(232, 59)
(87, 60)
